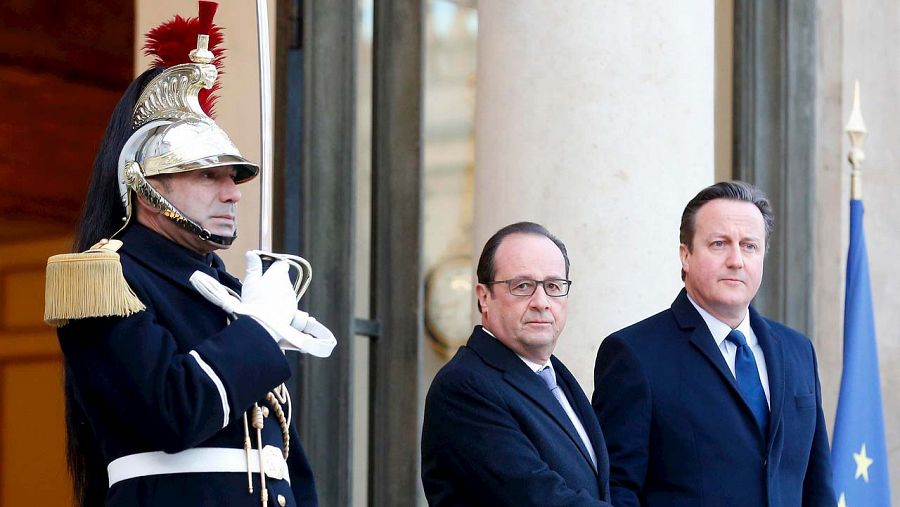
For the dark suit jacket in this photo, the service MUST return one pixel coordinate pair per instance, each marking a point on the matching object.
(494, 435)
(679, 433)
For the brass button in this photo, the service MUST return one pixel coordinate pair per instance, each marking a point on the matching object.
(282, 501)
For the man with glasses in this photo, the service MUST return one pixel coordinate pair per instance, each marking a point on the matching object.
(505, 422)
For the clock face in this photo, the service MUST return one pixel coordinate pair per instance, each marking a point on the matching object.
(449, 303)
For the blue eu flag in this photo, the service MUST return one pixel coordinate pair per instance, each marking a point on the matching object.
(858, 452)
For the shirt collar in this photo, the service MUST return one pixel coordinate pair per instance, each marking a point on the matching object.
(535, 367)
(719, 330)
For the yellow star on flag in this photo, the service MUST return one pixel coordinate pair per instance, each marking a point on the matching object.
(841, 501)
(863, 463)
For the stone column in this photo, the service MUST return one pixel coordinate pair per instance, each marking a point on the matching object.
(595, 118)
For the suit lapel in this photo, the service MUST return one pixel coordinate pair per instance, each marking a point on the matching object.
(774, 353)
(688, 317)
(585, 414)
(703, 341)
(527, 382)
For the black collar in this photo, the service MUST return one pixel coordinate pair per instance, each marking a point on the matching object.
(166, 258)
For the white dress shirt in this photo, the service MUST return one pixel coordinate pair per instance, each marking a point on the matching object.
(720, 330)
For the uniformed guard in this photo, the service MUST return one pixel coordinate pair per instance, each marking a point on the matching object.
(175, 370)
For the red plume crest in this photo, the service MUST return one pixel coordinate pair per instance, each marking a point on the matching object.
(171, 42)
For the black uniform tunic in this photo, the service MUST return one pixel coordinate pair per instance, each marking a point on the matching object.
(142, 385)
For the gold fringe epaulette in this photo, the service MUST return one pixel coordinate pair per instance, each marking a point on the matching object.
(88, 284)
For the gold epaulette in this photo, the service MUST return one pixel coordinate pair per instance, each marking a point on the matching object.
(88, 284)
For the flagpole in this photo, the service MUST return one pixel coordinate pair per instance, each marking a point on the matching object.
(859, 452)
(856, 129)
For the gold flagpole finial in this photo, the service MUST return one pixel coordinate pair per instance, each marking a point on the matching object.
(856, 129)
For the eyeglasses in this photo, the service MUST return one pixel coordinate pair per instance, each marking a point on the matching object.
(555, 288)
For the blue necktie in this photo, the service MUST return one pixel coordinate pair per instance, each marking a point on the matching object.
(548, 375)
(747, 376)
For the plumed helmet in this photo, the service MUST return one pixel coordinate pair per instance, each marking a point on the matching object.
(175, 131)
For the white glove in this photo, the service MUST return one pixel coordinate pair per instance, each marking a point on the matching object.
(303, 333)
(268, 297)
(313, 338)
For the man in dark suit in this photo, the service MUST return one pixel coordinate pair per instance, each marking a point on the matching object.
(708, 403)
(505, 422)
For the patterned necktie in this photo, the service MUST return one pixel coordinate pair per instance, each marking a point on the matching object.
(549, 377)
(747, 376)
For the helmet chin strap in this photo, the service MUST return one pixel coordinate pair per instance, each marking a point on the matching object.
(202, 233)
(205, 235)
(136, 181)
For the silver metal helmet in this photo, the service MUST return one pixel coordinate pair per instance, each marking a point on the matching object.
(175, 135)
